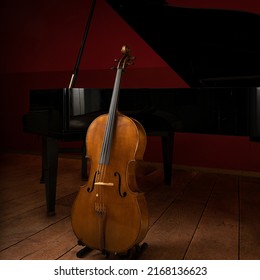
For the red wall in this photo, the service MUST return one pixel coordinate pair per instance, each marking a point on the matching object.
(39, 46)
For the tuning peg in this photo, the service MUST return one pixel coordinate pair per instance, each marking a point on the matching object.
(131, 60)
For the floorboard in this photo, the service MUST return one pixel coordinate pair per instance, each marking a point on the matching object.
(169, 238)
(216, 236)
(201, 215)
(249, 218)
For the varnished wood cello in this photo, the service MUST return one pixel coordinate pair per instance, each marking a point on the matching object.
(110, 213)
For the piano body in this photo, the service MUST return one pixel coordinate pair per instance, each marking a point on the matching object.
(221, 67)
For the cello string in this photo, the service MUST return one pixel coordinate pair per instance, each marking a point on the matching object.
(108, 139)
(111, 120)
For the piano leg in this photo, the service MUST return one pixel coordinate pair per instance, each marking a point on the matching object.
(167, 147)
(42, 180)
(50, 167)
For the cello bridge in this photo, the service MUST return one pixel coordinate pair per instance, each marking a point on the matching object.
(104, 184)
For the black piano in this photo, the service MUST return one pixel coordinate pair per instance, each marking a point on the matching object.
(220, 63)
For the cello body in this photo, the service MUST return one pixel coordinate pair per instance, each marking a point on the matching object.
(109, 212)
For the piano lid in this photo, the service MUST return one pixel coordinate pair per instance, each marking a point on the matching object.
(204, 46)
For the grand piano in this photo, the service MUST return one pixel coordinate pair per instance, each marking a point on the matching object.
(216, 52)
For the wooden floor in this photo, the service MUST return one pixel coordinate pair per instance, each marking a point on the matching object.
(200, 216)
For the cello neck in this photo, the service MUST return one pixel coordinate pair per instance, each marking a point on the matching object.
(107, 141)
(108, 136)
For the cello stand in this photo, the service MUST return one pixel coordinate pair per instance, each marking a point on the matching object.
(83, 252)
(131, 254)
(134, 253)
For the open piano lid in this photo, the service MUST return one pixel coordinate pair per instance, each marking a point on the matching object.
(206, 47)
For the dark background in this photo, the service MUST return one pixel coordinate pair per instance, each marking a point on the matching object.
(39, 45)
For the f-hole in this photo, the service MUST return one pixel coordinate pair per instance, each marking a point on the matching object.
(93, 183)
(119, 185)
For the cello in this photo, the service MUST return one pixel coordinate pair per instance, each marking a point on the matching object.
(109, 212)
